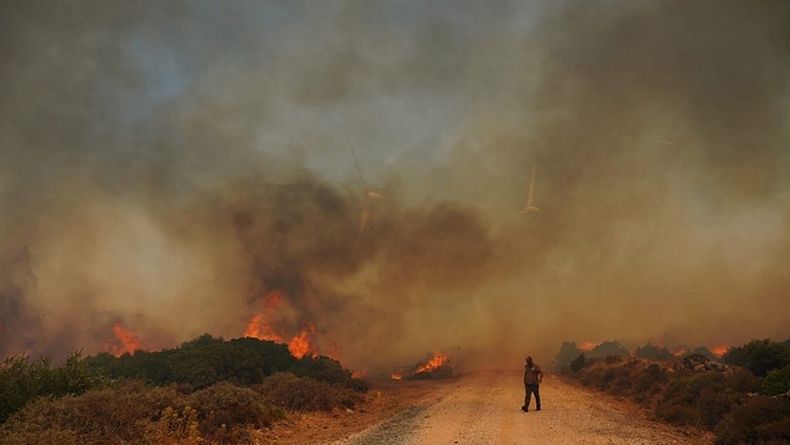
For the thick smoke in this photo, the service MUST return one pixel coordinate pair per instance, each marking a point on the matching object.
(167, 166)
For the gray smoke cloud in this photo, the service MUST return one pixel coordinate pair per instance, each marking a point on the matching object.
(167, 166)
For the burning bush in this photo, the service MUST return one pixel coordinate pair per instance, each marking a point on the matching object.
(436, 366)
(207, 360)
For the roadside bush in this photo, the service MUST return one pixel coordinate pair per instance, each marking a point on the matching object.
(650, 379)
(704, 398)
(759, 420)
(776, 382)
(23, 379)
(110, 415)
(132, 412)
(327, 370)
(291, 392)
(224, 409)
(579, 363)
(567, 353)
(759, 356)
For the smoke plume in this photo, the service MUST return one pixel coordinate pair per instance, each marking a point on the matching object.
(168, 166)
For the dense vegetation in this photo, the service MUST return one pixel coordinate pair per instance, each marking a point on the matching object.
(743, 400)
(207, 389)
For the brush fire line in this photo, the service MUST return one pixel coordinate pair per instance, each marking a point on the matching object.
(436, 367)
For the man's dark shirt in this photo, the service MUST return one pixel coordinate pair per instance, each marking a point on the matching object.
(531, 374)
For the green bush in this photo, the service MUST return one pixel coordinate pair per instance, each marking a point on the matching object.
(567, 353)
(201, 362)
(206, 360)
(132, 412)
(705, 398)
(761, 419)
(776, 382)
(649, 379)
(23, 379)
(291, 392)
(608, 348)
(759, 356)
(578, 363)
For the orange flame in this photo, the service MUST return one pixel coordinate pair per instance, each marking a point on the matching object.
(358, 374)
(719, 350)
(259, 326)
(130, 342)
(396, 376)
(587, 345)
(679, 352)
(433, 364)
(300, 344)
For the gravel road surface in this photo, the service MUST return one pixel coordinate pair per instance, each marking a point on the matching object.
(485, 408)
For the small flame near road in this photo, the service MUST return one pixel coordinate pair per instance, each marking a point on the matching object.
(438, 360)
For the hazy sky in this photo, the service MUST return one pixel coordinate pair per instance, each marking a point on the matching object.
(166, 165)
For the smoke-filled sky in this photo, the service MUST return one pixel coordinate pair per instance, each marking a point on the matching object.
(166, 165)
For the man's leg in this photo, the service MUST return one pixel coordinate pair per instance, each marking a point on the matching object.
(536, 389)
(527, 397)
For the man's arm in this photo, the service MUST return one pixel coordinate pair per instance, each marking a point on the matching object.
(540, 374)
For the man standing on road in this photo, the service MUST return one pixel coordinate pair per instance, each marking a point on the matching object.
(533, 376)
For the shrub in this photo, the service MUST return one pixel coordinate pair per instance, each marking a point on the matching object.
(206, 360)
(759, 356)
(223, 409)
(677, 414)
(567, 353)
(653, 352)
(704, 398)
(649, 379)
(291, 392)
(110, 415)
(132, 412)
(759, 420)
(608, 348)
(23, 379)
(578, 363)
(776, 382)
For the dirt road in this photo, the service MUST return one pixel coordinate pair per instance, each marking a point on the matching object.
(484, 408)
